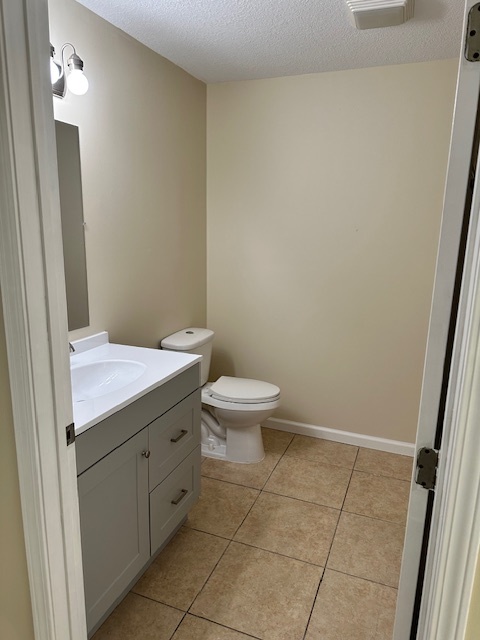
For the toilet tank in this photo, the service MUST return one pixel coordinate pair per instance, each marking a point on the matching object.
(193, 340)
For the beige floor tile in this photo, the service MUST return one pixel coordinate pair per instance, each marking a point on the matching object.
(378, 497)
(259, 593)
(324, 451)
(221, 508)
(294, 528)
(181, 569)
(249, 475)
(368, 548)
(139, 618)
(349, 608)
(308, 480)
(381, 463)
(193, 628)
(275, 440)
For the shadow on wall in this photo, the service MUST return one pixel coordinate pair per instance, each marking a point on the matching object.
(222, 364)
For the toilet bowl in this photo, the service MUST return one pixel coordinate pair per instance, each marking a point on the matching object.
(239, 405)
(232, 408)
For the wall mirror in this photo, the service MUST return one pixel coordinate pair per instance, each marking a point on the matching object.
(73, 232)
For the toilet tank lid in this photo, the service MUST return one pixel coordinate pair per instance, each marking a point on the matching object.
(244, 390)
(187, 339)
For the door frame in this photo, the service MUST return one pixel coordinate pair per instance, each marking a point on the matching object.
(449, 565)
(34, 307)
(33, 295)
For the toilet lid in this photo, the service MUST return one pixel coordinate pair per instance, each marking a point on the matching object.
(244, 390)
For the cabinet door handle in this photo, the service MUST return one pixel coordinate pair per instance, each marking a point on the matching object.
(146, 454)
(180, 497)
(181, 435)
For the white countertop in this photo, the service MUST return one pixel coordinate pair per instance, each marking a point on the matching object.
(161, 366)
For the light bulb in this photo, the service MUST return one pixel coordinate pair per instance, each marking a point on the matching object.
(77, 82)
(55, 70)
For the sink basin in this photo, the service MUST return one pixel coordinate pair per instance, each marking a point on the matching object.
(96, 379)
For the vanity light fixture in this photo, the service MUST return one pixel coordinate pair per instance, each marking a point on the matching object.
(75, 80)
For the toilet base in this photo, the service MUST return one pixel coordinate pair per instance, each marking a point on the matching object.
(244, 446)
(218, 451)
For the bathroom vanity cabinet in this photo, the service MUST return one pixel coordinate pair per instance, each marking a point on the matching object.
(138, 476)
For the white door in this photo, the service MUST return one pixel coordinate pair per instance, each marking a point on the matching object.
(34, 305)
(449, 348)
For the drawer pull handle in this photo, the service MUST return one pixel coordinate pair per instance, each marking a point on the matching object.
(146, 454)
(181, 435)
(180, 497)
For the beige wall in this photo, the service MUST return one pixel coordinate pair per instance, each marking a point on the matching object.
(15, 608)
(324, 197)
(473, 627)
(142, 144)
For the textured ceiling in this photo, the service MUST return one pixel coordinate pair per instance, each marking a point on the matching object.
(221, 40)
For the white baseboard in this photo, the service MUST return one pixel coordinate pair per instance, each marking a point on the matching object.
(345, 437)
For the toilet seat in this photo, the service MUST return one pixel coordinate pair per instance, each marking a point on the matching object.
(244, 390)
(211, 400)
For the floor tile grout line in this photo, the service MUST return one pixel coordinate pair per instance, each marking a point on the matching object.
(352, 575)
(209, 533)
(313, 603)
(341, 511)
(271, 472)
(350, 481)
(235, 484)
(277, 553)
(380, 475)
(363, 515)
(176, 628)
(316, 504)
(260, 491)
(203, 585)
(142, 595)
(333, 536)
(312, 459)
(330, 547)
(224, 626)
(209, 575)
(247, 514)
(231, 541)
(259, 494)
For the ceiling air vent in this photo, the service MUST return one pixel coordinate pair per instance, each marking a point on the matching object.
(372, 14)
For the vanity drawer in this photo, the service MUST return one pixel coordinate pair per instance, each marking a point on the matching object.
(173, 498)
(172, 437)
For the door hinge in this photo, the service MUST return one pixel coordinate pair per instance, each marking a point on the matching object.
(427, 463)
(70, 431)
(472, 36)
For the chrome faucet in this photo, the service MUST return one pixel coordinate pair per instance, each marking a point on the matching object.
(71, 347)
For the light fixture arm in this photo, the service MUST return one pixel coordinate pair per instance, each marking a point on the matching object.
(74, 63)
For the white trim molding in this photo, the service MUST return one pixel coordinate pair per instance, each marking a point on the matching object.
(455, 539)
(345, 437)
(452, 558)
(34, 306)
(439, 336)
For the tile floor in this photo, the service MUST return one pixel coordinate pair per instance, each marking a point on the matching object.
(305, 545)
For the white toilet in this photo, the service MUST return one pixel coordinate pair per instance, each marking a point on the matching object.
(233, 408)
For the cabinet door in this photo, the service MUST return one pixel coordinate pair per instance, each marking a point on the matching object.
(114, 524)
(173, 436)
